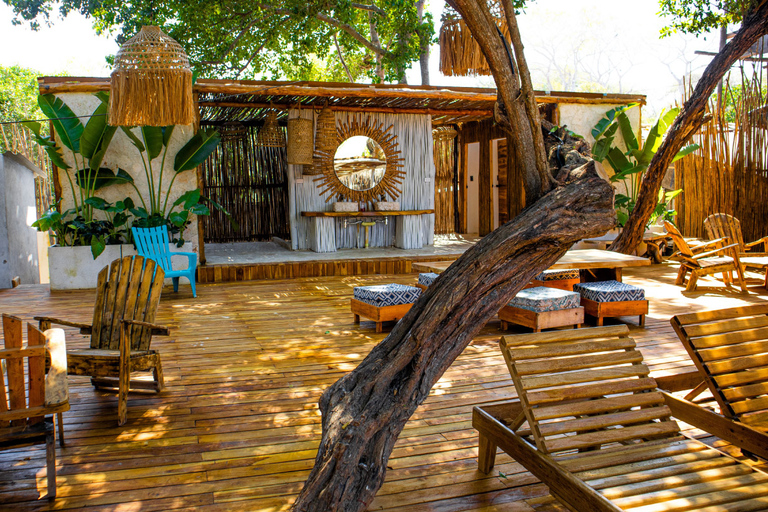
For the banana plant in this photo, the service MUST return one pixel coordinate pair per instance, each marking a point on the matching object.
(629, 166)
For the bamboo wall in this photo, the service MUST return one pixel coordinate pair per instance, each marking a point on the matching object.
(729, 173)
(248, 181)
(444, 148)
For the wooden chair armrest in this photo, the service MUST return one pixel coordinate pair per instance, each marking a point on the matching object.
(56, 389)
(705, 245)
(709, 254)
(679, 381)
(757, 242)
(160, 330)
(45, 323)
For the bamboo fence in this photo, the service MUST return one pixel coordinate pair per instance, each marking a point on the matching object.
(17, 139)
(444, 141)
(728, 174)
(248, 181)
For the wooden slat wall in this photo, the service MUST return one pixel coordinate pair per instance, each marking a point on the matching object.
(444, 145)
(250, 182)
(728, 174)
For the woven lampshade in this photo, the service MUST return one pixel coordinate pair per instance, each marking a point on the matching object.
(301, 141)
(151, 83)
(326, 141)
(270, 135)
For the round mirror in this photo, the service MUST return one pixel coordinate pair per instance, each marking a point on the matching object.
(360, 163)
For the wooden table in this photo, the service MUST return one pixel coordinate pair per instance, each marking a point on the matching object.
(602, 265)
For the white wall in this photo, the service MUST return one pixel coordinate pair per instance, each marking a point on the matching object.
(122, 154)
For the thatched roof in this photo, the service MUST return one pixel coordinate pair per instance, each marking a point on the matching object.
(249, 101)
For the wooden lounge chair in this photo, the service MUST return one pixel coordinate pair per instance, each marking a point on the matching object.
(599, 433)
(730, 350)
(713, 257)
(27, 419)
(127, 296)
(722, 225)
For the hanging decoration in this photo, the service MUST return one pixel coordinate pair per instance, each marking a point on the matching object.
(325, 142)
(271, 135)
(301, 140)
(460, 55)
(152, 82)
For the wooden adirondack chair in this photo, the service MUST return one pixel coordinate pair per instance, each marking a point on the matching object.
(152, 243)
(722, 225)
(599, 434)
(730, 350)
(127, 296)
(28, 419)
(710, 258)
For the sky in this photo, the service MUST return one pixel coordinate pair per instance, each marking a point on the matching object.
(613, 43)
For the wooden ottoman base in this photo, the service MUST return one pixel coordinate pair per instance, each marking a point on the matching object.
(601, 310)
(378, 314)
(538, 321)
(420, 286)
(561, 284)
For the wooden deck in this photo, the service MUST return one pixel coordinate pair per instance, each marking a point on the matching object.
(238, 425)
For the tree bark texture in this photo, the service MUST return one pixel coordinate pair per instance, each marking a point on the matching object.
(690, 119)
(510, 110)
(364, 412)
(423, 47)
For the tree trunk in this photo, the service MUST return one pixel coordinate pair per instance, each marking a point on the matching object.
(690, 119)
(364, 412)
(423, 47)
(510, 111)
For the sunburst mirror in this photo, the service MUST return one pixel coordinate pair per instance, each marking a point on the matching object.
(365, 164)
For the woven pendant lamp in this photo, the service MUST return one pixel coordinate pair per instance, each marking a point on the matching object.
(301, 141)
(326, 141)
(152, 82)
(270, 135)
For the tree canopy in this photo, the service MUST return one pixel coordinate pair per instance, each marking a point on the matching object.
(294, 39)
(702, 16)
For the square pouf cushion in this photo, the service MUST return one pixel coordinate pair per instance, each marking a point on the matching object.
(610, 291)
(427, 278)
(387, 294)
(607, 299)
(543, 308)
(542, 299)
(558, 275)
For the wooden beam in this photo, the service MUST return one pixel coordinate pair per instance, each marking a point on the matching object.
(340, 108)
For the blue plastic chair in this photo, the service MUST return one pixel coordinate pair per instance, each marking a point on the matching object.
(152, 243)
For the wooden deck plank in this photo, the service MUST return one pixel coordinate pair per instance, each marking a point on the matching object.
(238, 425)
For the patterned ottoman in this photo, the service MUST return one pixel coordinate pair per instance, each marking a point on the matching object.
(543, 308)
(425, 279)
(384, 302)
(563, 279)
(612, 298)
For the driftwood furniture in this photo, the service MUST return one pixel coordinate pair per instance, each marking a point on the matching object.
(27, 419)
(712, 257)
(599, 433)
(153, 243)
(127, 296)
(603, 265)
(722, 225)
(730, 350)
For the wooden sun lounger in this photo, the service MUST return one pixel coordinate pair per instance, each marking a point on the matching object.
(591, 424)
(730, 350)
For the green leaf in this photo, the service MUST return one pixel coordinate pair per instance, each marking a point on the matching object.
(178, 218)
(618, 161)
(96, 137)
(134, 139)
(97, 246)
(601, 148)
(189, 198)
(103, 96)
(194, 152)
(167, 133)
(626, 131)
(98, 203)
(88, 179)
(153, 140)
(687, 150)
(67, 125)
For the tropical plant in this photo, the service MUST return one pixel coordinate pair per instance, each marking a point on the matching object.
(630, 165)
(153, 142)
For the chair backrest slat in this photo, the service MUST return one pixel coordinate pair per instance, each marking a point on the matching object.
(722, 225)
(15, 367)
(678, 240)
(129, 289)
(730, 349)
(36, 372)
(582, 390)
